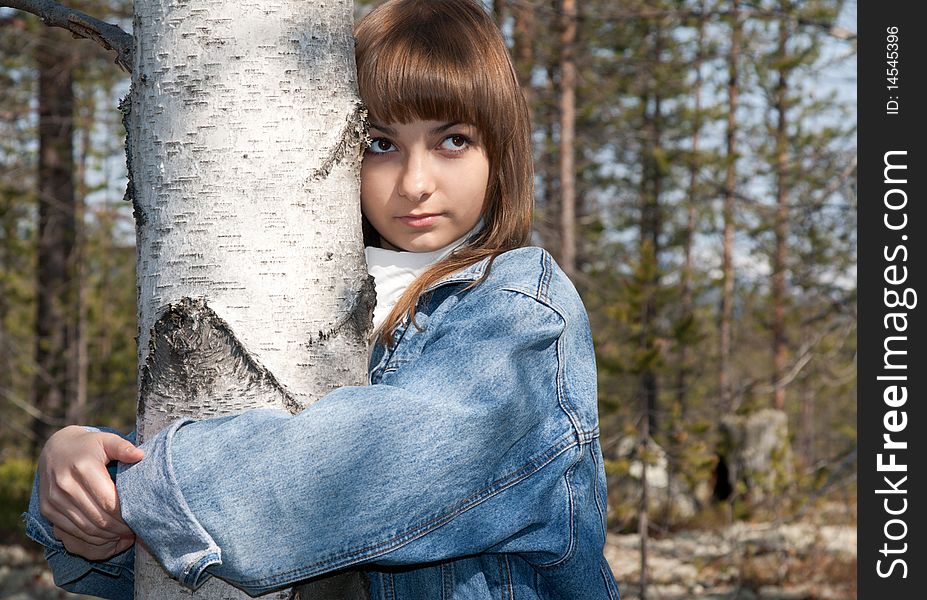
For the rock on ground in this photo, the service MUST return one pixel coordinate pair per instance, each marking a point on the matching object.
(746, 561)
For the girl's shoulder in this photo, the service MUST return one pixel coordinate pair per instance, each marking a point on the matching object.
(532, 271)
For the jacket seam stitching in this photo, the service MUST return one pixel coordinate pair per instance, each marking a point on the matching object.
(508, 572)
(35, 530)
(397, 541)
(447, 580)
(193, 575)
(389, 586)
(546, 276)
(609, 582)
(571, 543)
(603, 511)
(564, 402)
(501, 578)
(506, 576)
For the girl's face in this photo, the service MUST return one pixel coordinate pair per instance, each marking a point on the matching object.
(423, 183)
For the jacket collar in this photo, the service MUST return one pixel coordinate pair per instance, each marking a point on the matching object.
(469, 273)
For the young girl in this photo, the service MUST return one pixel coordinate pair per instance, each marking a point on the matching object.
(470, 467)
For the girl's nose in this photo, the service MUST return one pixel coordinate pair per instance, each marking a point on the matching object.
(417, 180)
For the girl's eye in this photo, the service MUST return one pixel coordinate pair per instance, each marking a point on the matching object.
(380, 146)
(455, 143)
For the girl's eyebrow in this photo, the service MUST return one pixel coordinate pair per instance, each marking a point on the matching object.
(436, 130)
(383, 128)
(445, 127)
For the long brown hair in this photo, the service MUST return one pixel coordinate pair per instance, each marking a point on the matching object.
(445, 60)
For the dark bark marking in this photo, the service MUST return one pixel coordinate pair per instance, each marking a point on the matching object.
(358, 318)
(354, 134)
(195, 360)
(125, 107)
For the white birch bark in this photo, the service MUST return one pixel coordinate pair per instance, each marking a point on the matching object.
(244, 133)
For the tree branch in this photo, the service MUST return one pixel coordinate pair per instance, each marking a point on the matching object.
(11, 20)
(82, 25)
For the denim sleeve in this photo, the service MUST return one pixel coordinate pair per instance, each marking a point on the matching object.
(112, 578)
(463, 449)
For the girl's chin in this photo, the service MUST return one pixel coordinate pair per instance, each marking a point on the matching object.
(424, 243)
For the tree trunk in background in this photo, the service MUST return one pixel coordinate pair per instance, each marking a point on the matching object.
(686, 327)
(651, 226)
(524, 30)
(807, 430)
(7, 235)
(547, 222)
(687, 308)
(730, 183)
(498, 11)
(8, 249)
(649, 252)
(77, 407)
(780, 256)
(244, 154)
(567, 137)
(56, 296)
(643, 525)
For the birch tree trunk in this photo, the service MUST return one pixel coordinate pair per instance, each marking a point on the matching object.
(244, 133)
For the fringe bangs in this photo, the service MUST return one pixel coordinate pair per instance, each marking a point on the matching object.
(418, 76)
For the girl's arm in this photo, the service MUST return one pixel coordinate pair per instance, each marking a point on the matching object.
(463, 449)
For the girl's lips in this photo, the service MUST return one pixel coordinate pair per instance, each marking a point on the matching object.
(420, 221)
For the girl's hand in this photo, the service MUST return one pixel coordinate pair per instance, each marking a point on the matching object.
(91, 551)
(77, 494)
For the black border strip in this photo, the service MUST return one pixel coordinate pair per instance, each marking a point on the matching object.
(892, 267)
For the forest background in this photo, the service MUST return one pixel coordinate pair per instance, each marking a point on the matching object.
(696, 178)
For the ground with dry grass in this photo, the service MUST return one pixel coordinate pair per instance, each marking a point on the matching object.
(745, 561)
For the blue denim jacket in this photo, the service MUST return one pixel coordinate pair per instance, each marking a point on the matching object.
(469, 469)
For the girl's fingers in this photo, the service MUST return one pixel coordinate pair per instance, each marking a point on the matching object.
(98, 499)
(91, 518)
(76, 545)
(125, 543)
(99, 520)
(73, 526)
(117, 448)
(74, 507)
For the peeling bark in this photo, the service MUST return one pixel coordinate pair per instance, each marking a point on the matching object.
(197, 368)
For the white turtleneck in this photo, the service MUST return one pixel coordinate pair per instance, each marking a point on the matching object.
(393, 271)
